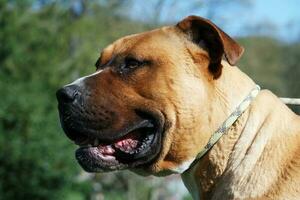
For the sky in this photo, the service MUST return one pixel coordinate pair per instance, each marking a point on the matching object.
(284, 15)
(279, 11)
(277, 18)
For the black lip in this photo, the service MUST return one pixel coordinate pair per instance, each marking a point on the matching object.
(91, 162)
(75, 129)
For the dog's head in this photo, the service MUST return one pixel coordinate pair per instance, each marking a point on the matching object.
(148, 97)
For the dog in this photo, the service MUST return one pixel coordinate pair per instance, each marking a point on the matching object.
(160, 97)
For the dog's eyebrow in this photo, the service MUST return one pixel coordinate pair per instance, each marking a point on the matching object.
(100, 65)
(98, 62)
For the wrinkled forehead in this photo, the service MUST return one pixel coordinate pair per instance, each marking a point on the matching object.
(141, 45)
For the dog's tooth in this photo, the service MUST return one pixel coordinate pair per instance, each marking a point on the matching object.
(122, 149)
(116, 145)
(131, 152)
(109, 149)
(151, 136)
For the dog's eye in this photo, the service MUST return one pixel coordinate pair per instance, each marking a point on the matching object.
(130, 64)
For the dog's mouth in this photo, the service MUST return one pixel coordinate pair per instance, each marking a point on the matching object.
(137, 147)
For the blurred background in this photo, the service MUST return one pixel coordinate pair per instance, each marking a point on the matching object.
(45, 44)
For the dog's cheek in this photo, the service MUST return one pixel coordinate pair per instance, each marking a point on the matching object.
(175, 152)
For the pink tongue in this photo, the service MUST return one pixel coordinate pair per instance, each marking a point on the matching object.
(128, 143)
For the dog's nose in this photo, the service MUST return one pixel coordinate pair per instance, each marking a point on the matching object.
(67, 94)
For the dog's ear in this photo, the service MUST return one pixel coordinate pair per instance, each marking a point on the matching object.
(216, 42)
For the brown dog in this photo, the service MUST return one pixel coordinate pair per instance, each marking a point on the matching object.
(158, 97)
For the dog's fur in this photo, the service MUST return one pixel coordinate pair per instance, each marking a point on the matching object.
(258, 158)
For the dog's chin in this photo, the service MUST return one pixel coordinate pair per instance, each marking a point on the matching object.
(138, 147)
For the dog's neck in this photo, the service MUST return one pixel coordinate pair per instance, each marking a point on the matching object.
(202, 178)
(230, 90)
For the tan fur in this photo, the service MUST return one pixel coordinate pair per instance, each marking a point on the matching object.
(259, 158)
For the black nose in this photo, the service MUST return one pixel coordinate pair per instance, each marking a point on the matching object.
(67, 94)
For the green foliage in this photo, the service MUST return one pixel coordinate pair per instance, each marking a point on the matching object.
(291, 63)
(45, 48)
(32, 165)
(262, 62)
(273, 65)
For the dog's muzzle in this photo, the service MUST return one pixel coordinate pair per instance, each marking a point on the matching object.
(107, 139)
